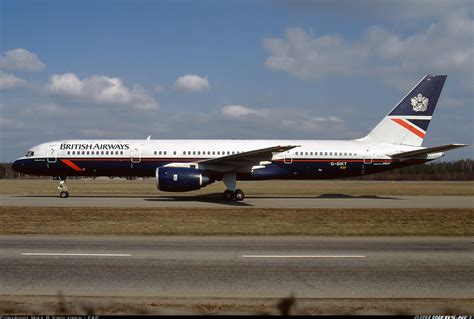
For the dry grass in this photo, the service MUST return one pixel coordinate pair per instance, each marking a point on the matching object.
(60, 305)
(235, 222)
(118, 187)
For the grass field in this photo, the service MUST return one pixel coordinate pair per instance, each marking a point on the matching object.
(303, 188)
(60, 305)
(236, 222)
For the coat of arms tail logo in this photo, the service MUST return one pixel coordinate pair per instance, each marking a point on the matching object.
(419, 103)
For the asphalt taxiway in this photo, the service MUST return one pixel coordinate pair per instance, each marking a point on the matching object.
(226, 267)
(322, 201)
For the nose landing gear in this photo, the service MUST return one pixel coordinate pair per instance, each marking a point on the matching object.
(64, 193)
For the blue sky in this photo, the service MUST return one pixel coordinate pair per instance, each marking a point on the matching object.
(228, 69)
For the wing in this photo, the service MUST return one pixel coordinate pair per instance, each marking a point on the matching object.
(243, 162)
(425, 151)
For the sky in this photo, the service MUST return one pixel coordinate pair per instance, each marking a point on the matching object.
(228, 69)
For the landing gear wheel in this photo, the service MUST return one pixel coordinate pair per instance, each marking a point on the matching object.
(239, 195)
(228, 195)
(64, 194)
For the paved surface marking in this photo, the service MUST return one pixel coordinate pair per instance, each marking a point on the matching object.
(63, 254)
(213, 267)
(299, 256)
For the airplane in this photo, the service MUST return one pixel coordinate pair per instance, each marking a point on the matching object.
(187, 165)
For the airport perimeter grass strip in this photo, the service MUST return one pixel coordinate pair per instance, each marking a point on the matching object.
(83, 305)
(236, 222)
(147, 187)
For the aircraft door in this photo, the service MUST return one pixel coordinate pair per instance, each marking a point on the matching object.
(136, 154)
(368, 156)
(367, 159)
(288, 159)
(52, 154)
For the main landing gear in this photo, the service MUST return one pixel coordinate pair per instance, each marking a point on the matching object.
(63, 189)
(231, 193)
(237, 195)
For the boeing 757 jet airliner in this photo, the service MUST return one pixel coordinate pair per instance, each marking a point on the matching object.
(186, 165)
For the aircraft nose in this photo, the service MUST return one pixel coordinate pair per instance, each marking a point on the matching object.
(16, 166)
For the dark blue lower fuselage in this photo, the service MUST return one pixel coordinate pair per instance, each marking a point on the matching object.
(296, 169)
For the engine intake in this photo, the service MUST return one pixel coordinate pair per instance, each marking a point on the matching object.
(181, 179)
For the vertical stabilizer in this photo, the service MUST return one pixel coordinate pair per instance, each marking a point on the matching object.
(408, 122)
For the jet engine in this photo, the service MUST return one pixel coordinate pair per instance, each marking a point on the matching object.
(181, 179)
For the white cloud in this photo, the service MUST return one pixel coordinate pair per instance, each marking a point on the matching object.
(101, 89)
(445, 47)
(307, 57)
(306, 123)
(239, 111)
(159, 88)
(8, 123)
(22, 60)
(45, 108)
(191, 83)
(9, 81)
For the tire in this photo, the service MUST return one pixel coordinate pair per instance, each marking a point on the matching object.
(239, 195)
(228, 195)
(64, 194)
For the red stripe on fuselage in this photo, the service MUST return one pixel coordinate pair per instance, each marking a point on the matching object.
(409, 127)
(72, 165)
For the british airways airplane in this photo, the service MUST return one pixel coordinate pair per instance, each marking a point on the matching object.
(186, 165)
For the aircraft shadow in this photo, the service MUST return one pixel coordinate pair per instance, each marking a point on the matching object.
(344, 196)
(215, 198)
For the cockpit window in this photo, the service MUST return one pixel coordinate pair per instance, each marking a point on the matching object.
(30, 153)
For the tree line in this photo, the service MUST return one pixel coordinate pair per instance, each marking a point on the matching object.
(460, 170)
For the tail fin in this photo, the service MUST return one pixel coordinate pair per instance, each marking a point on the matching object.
(408, 122)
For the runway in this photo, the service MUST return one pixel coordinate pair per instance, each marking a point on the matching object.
(323, 201)
(242, 267)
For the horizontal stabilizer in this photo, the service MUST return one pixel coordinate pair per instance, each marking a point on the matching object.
(426, 151)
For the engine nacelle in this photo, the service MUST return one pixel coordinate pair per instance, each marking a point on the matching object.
(181, 179)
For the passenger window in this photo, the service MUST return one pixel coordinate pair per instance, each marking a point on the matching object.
(213, 153)
(218, 153)
(68, 152)
(306, 153)
(73, 152)
(121, 152)
(194, 152)
(174, 152)
(311, 153)
(345, 154)
(296, 153)
(164, 152)
(199, 152)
